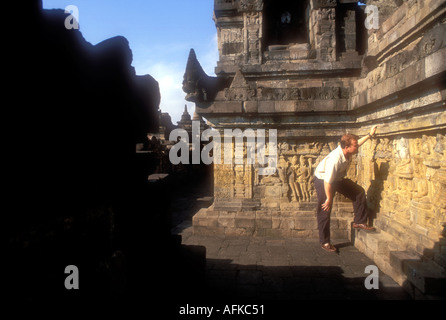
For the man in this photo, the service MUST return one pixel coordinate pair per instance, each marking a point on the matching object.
(329, 179)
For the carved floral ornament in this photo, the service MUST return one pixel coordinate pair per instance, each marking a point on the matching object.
(251, 5)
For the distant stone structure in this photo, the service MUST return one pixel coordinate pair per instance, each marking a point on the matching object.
(313, 71)
(158, 144)
(76, 192)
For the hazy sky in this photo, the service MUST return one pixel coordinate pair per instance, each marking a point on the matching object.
(160, 34)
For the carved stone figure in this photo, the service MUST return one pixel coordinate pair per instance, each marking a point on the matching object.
(440, 176)
(421, 185)
(283, 171)
(303, 176)
(292, 179)
(403, 167)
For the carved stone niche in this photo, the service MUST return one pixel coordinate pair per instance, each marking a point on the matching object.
(351, 33)
(285, 24)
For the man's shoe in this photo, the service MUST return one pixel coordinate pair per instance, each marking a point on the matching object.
(329, 247)
(362, 226)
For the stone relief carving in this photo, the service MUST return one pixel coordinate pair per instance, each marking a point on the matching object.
(303, 178)
(251, 5)
(318, 93)
(326, 14)
(426, 46)
(239, 89)
(231, 41)
(243, 93)
(292, 179)
(410, 178)
(253, 22)
(403, 165)
(324, 33)
(439, 176)
(294, 175)
(421, 186)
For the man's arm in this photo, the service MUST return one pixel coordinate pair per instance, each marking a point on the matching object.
(368, 136)
(326, 206)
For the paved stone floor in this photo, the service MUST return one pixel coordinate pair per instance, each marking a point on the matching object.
(271, 268)
(278, 268)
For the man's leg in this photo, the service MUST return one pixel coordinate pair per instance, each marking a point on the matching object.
(323, 217)
(357, 194)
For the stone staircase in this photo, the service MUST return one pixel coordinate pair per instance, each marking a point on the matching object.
(422, 274)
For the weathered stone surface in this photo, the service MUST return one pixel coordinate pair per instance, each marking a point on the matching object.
(339, 78)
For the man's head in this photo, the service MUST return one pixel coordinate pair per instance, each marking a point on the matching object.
(349, 144)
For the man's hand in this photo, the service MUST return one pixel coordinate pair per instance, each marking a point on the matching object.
(326, 206)
(373, 130)
(368, 136)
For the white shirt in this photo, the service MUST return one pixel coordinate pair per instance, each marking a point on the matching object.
(333, 167)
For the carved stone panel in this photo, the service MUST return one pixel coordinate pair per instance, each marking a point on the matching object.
(408, 181)
(322, 37)
(253, 37)
(291, 182)
(231, 40)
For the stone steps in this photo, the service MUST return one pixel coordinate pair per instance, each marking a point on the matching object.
(420, 276)
(298, 223)
(426, 276)
(426, 242)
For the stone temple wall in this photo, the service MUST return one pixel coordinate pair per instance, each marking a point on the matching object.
(404, 169)
(279, 204)
(312, 88)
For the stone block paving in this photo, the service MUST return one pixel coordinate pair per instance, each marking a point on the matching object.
(279, 269)
(263, 268)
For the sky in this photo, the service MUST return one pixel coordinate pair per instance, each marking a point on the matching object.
(160, 33)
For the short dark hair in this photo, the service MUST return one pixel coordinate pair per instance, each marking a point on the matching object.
(347, 139)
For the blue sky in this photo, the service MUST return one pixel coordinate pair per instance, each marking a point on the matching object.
(160, 34)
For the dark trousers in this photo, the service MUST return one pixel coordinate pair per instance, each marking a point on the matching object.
(350, 190)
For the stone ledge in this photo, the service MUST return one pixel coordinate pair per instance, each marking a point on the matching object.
(297, 224)
(411, 76)
(400, 26)
(426, 276)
